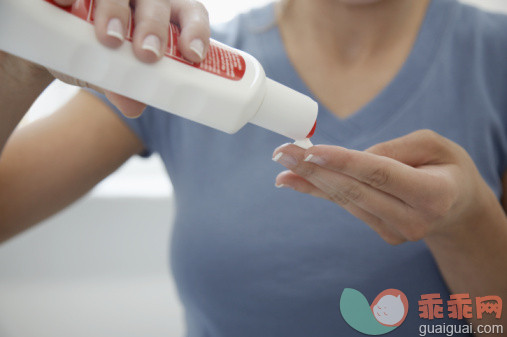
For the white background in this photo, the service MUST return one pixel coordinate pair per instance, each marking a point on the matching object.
(100, 267)
(221, 10)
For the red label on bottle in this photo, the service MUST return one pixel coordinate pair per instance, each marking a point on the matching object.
(218, 61)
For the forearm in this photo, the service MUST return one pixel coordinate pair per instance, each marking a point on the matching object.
(472, 260)
(20, 85)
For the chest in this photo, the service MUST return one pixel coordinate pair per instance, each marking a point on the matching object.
(345, 84)
(344, 91)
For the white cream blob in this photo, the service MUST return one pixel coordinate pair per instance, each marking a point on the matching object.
(304, 143)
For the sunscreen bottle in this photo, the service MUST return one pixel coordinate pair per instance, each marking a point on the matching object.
(225, 91)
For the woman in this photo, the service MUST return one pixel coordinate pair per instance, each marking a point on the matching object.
(250, 260)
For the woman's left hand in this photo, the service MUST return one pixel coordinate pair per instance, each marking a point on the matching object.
(411, 188)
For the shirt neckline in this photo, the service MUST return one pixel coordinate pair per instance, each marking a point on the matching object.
(390, 102)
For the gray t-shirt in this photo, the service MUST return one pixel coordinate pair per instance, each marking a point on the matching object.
(252, 260)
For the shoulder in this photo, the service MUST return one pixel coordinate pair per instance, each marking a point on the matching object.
(477, 51)
(481, 33)
(241, 28)
(480, 50)
(481, 21)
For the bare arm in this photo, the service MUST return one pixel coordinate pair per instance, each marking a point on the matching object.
(50, 163)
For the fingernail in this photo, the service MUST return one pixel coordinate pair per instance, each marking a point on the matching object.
(278, 148)
(279, 186)
(314, 159)
(152, 43)
(115, 29)
(197, 46)
(277, 157)
(285, 159)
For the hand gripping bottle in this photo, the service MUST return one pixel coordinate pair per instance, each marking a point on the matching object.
(225, 91)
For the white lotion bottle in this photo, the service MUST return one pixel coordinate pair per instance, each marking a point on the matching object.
(226, 91)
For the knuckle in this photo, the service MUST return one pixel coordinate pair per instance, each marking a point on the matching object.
(437, 209)
(441, 207)
(382, 149)
(353, 193)
(301, 188)
(440, 204)
(412, 237)
(195, 9)
(347, 158)
(201, 9)
(386, 234)
(380, 177)
(427, 133)
(393, 240)
(432, 140)
(338, 198)
(64, 2)
(377, 224)
(199, 25)
(162, 9)
(304, 169)
(156, 12)
(415, 232)
(114, 4)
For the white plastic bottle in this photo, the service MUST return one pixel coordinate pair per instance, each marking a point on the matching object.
(226, 91)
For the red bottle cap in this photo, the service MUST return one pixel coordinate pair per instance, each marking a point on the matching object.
(312, 131)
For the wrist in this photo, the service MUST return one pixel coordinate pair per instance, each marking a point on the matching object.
(484, 221)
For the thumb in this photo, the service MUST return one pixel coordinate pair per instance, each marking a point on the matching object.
(418, 148)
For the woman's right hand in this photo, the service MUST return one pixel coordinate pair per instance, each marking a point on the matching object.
(152, 19)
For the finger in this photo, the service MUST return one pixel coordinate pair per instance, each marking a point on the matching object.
(385, 174)
(111, 21)
(291, 180)
(386, 232)
(129, 107)
(344, 189)
(65, 3)
(418, 148)
(193, 19)
(342, 186)
(152, 19)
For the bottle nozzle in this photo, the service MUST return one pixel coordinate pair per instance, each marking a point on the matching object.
(286, 111)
